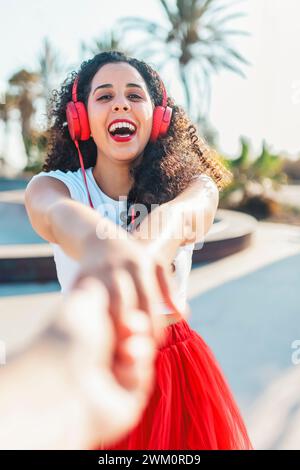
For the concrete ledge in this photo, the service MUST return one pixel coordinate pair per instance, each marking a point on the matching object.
(231, 233)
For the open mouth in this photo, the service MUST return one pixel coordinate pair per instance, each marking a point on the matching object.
(122, 131)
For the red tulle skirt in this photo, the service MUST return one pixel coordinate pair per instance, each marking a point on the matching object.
(191, 406)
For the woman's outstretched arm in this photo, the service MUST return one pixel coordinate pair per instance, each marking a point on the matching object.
(186, 219)
(104, 250)
(59, 219)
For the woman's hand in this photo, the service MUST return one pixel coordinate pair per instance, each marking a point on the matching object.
(160, 235)
(119, 263)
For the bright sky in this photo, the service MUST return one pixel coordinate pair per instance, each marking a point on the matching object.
(266, 105)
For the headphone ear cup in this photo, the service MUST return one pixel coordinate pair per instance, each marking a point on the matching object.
(77, 119)
(166, 121)
(73, 120)
(158, 113)
(85, 131)
(161, 122)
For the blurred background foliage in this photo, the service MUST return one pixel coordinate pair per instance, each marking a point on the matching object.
(194, 40)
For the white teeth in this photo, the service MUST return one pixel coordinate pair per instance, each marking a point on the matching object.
(118, 125)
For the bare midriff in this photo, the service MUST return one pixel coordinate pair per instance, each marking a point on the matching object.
(169, 319)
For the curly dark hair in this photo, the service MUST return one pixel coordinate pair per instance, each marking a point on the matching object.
(168, 165)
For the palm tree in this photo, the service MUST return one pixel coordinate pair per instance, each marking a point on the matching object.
(49, 70)
(4, 117)
(253, 176)
(8, 104)
(27, 90)
(195, 41)
(23, 93)
(108, 41)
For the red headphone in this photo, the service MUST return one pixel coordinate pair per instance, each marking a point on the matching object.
(79, 128)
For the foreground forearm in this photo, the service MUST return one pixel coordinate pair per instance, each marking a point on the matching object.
(48, 413)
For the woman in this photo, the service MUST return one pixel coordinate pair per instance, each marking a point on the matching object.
(139, 149)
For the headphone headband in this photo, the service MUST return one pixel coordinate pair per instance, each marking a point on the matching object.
(165, 98)
(74, 89)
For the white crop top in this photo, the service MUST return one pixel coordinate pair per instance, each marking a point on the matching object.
(67, 268)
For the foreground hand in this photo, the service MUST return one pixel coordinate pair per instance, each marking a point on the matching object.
(118, 261)
(113, 370)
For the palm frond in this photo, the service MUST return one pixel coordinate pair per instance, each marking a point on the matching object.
(238, 32)
(233, 53)
(229, 66)
(135, 23)
(198, 33)
(229, 17)
(215, 8)
(172, 17)
(186, 10)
